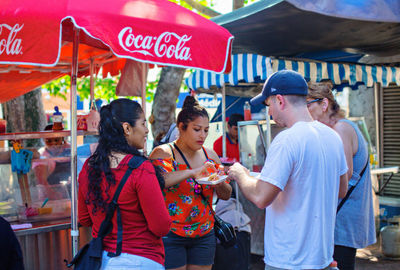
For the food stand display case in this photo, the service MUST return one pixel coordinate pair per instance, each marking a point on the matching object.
(253, 144)
(43, 225)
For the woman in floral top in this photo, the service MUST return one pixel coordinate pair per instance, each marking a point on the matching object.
(191, 241)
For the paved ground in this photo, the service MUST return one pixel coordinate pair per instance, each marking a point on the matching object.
(369, 258)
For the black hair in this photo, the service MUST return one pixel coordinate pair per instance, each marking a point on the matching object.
(234, 119)
(112, 139)
(48, 127)
(191, 109)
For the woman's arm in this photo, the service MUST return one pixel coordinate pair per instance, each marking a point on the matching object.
(350, 144)
(41, 173)
(222, 189)
(152, 201)
(5, 156)
(83, 212)
(173, 178)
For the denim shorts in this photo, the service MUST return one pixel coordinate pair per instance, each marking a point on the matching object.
(180, 251)
(268, 267)
(127, 261)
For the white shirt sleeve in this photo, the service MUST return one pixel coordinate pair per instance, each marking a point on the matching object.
(278, 165)
(174, 134)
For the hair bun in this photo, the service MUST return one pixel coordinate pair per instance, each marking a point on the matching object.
(190, 102)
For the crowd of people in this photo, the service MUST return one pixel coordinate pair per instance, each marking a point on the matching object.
(166, 219)
(308, 169)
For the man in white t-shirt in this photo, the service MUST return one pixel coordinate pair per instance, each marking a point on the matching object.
(303, 176)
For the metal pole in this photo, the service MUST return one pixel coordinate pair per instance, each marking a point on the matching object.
(223, 107)
(268, 130)
(378, 113)
(262, 137)
(91, 82)
(144, 80)
(73, 107)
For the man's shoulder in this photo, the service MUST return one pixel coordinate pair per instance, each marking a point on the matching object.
(219, 140)
(311, 127)
(303, 132)
(161, 152)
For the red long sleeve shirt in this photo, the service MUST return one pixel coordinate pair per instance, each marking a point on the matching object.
(144, 216)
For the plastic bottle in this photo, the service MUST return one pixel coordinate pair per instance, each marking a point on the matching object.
(373, 158)
(250, 162)
(333, 266)
(57, 119)
(247, 111)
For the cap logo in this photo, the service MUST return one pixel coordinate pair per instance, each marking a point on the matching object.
(273, 90)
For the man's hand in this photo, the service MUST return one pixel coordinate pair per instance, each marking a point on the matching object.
(237, 171)
(259, 192)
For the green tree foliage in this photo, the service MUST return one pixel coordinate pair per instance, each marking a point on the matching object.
(104, 88)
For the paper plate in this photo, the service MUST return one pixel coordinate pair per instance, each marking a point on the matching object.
(204, 180)
(255, 174)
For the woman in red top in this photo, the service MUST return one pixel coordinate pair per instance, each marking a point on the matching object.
(191, 243)
(145, 220)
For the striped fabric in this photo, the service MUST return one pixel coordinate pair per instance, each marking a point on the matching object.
(245, 67)
(249, 67)
(337, 73)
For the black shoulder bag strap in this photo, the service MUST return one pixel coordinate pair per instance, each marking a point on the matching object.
(106, 225)
(187, 164)
(352, 188)
(172, 150)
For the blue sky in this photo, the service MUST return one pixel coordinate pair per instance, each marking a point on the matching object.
(223, 6)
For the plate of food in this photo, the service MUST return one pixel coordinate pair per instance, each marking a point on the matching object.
(255, 174)
(213, 179)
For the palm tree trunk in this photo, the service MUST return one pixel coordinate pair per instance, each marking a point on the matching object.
(25, 114)
(164, 103)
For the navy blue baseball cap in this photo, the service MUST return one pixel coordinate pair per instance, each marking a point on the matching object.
(283, 82)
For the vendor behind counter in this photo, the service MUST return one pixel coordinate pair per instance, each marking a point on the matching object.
(51, 171)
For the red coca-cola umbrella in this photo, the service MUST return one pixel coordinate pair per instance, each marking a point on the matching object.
(44, 39)
(33, 35)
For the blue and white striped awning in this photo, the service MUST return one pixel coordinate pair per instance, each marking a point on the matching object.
(245, 67)
(339, 73)
(253, 68)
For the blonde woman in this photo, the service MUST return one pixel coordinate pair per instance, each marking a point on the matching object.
(355, 227)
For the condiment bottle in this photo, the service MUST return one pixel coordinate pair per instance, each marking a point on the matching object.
(250, 162)
(57, 119)
(247, 111)
(333, 266)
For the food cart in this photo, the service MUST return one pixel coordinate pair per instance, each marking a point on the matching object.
(44, 40)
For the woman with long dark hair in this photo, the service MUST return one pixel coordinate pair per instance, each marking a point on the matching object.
(122, 132)
(191, 243)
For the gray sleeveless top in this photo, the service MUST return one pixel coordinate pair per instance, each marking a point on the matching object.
(355, 223)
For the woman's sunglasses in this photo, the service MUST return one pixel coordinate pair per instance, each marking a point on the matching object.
(314, 100)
